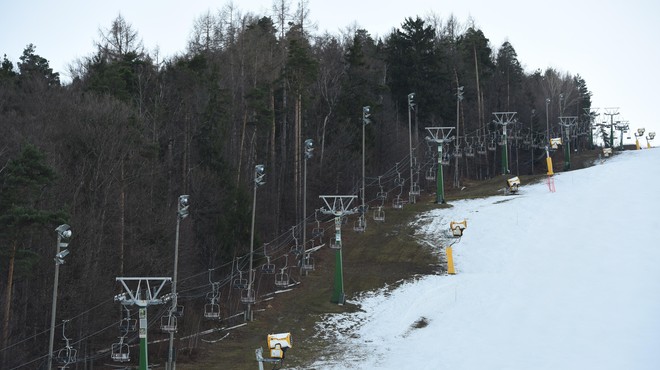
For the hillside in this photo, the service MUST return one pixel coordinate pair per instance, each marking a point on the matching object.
(564, 280)
(386, 255)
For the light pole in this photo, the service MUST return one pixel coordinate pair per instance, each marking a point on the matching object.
(547, 120)
(411, 106)
(63, 237)
(259, 174)
(309, 152)
(181, 213)
(365, 121)
(459, 97)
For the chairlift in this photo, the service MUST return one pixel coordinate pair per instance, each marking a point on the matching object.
(458, 153)
(379, 214)
(268, 267)
(481, 150)
(445, 160)
(126, 324)
(381, 195)
(68, 354)
(308, 262)
(415, 189)
(296, 249)
(212, 311)
(469, 151)
(430, 174)
(318, 231)
(248, 296)
(178, 311)
(492, 146)
(240, 283)
(398, 180)
(168, 323)
(282, 278)
(120, 352)
(360, 224)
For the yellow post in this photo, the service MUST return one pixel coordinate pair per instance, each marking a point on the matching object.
(548, 161)
(637, 144)
(450, 261)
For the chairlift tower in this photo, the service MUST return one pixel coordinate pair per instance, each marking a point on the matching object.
(623, 128)
(440, 136)
(591, 114)
(503, 119)
(567, 122)
(338, 206)
(146, 293)
(611, 112)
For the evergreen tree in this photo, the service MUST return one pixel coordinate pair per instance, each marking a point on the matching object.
(21, 190)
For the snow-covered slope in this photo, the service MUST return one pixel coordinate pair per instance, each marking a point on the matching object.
(564, 280)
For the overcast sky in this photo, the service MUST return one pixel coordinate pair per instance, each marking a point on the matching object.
(613, 45)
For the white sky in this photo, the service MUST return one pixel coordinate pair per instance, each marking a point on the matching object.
(544, 281)
(612, 45)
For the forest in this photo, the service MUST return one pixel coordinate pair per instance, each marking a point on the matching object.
(110, 151)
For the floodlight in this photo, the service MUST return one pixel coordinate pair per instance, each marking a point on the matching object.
(184, 204)
(62, 254)
(259, 173)
(64, 231)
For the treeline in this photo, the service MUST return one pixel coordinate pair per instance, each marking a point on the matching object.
(110, 151)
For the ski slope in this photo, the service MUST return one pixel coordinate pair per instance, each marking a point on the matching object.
(564, 280)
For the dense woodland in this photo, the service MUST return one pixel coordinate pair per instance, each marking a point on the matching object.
(110, 151)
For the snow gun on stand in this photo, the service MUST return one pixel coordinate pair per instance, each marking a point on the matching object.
(512, 185)
(458, 227)
(277, 345)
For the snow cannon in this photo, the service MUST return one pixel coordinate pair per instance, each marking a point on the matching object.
(555, 142)
(458, 227)
(278, 344)
(512, 185)
(607, 152)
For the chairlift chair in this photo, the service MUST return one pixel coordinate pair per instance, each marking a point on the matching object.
(360, 224)
(248, 296)
(430, 174)
(240, 283)
(458, 153)
(481, 150)
(445, 160)
(212, 311)
(168, 323)
(120, 352)
(318, 231)
(308, 262)
(178, 312)
(68, 354)
(282, 278)
(415, 189)
(492, 146)
(268, 267)
(469, 151)
(379, 214)
(127, 325)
